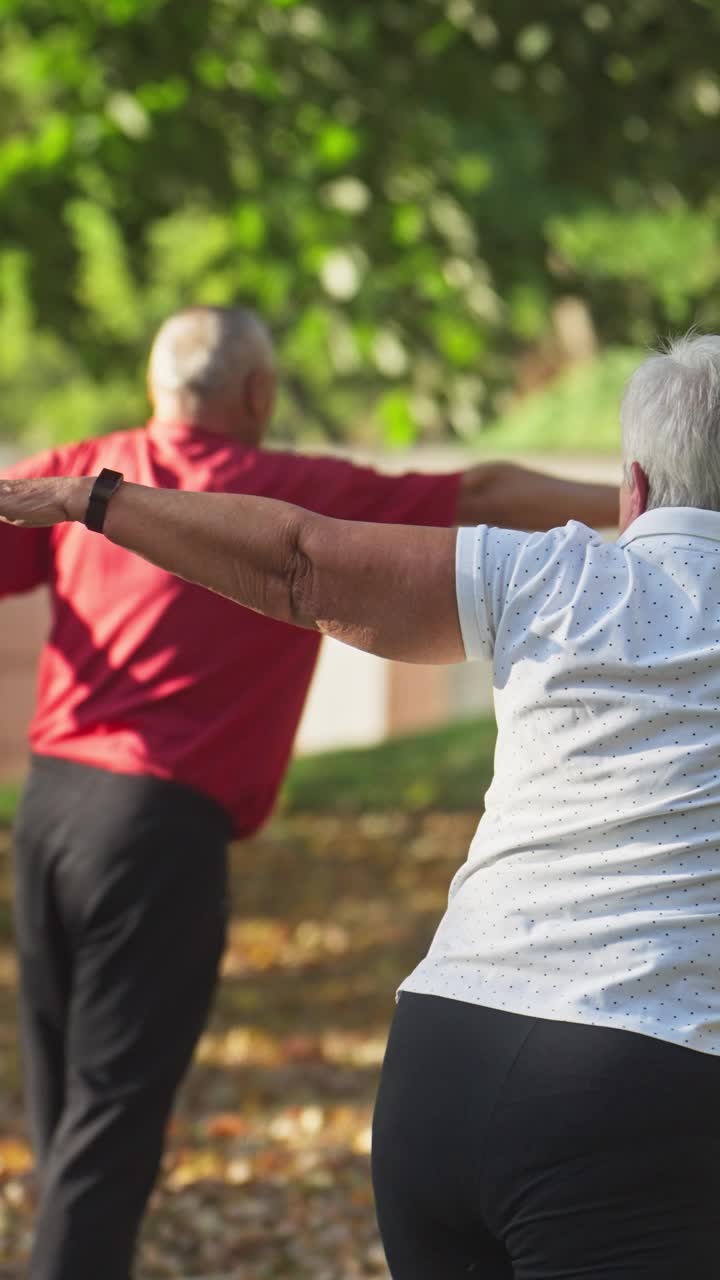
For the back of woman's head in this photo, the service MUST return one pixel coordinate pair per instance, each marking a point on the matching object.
(670, 416)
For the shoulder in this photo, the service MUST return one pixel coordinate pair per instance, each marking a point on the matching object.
(563, 543)
(82, 457)
(558, 551)
(110, 450)
(566, 541)
(310, 479)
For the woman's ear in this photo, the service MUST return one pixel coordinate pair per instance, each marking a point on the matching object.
(634, 493)
(640, 489)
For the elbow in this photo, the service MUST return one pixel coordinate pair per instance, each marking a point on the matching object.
(300, 577)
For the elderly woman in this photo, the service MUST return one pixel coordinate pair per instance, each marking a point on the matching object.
(548, 1104)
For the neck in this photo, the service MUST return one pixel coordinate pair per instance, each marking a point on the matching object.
(168, 410)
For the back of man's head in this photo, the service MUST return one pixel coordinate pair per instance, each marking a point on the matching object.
(670, 417)
(214, 366)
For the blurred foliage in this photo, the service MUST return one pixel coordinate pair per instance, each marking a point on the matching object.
(577, 412)
(8, 803)
(406, 191)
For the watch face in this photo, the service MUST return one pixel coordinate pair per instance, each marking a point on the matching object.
(106, 484)
(103, 489)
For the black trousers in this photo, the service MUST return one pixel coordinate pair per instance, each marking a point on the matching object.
(514, 1148)
(121, 907)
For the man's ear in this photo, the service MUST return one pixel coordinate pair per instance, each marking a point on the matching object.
(259, 392)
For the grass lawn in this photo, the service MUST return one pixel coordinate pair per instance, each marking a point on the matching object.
(8, 802)
(446, 769)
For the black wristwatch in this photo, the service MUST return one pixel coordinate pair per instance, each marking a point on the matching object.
(107, 483)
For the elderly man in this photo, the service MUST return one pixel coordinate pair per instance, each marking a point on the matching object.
(164, 723)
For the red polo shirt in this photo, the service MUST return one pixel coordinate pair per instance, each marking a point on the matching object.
(145, 674)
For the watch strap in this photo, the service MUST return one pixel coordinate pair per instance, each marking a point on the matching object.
(107, 483)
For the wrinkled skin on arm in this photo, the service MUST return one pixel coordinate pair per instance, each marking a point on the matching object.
(387, 589)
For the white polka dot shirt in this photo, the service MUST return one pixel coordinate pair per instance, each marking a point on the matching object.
(591, 892)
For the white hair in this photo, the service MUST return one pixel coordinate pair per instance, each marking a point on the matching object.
(670, 416)
(206, 350)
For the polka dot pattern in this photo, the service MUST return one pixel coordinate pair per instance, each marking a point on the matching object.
(591, 892)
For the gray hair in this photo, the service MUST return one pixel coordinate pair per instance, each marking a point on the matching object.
(206, 350)
(670, 416)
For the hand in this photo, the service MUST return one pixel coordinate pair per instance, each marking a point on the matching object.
(35, 504)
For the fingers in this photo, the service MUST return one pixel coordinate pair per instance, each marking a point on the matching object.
(32, 503)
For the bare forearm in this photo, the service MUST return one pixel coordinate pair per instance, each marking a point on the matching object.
(366, 585)
(515, 497)
(239, 546)
(242, 547)
(387, 589)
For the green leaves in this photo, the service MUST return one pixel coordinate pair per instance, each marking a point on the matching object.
(424, 171)
(16, 318)
(673, 255)
(395, 414)
(336, 144)
(104, 284)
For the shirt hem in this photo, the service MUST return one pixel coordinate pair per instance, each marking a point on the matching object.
(546, 1014)
(242, 827)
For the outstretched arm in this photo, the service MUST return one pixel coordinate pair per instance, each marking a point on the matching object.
(387, 589)
(501, 493)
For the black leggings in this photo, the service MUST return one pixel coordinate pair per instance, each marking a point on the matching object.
(514, 1148)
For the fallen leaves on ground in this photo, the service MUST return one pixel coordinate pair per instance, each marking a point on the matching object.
(266, 1172)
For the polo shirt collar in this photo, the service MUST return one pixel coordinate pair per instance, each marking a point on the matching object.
(181, 431)
(693, 522)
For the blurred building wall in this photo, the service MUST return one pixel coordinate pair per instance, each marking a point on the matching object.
(23, 623)
(356, 699)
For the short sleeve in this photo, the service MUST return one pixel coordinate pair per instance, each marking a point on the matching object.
(485, 562)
